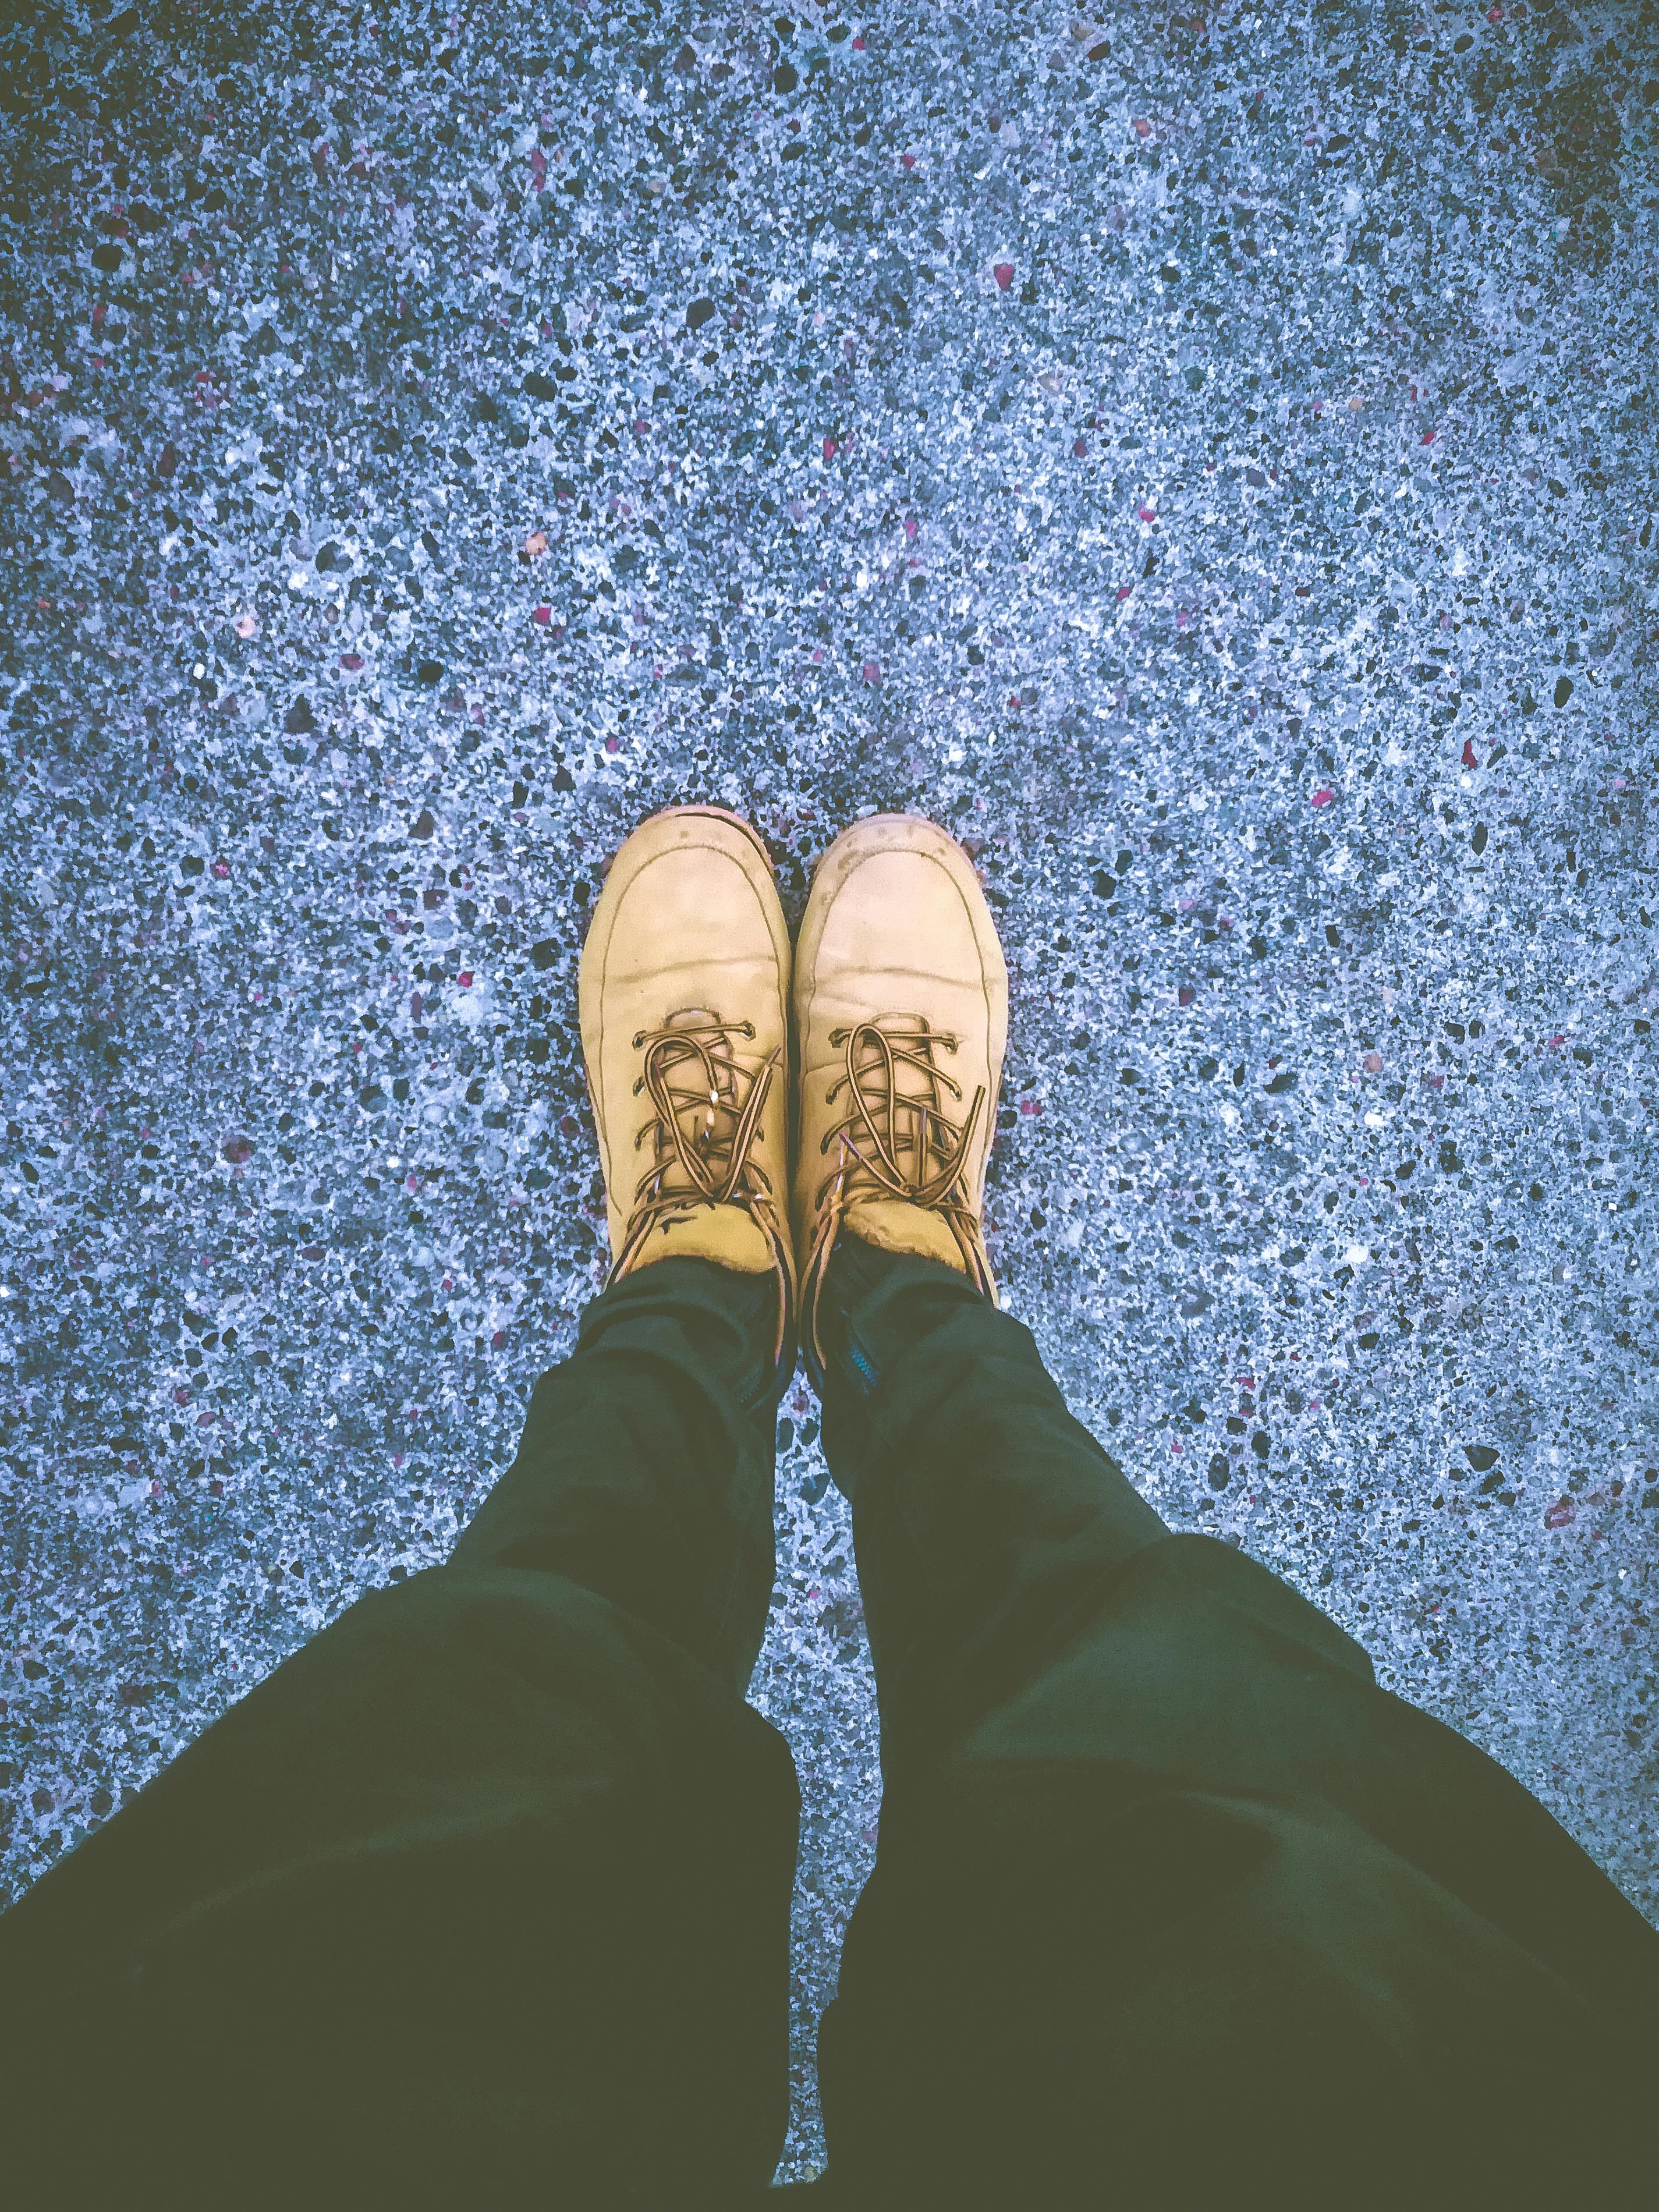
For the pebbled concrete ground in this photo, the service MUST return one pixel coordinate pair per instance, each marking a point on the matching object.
(1205, 457)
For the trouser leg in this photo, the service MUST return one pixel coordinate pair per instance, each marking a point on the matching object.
(1170, 1897)
(483, 1897)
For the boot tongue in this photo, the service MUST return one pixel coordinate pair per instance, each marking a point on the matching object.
(904, 1125)
(727, 1235)
(699, 1116)
(892, 1224)
(895, 1225)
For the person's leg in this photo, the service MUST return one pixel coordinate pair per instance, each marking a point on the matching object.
(1168, 1896)
(483, 1898)
(1170, 1900)
(659, 1499)
(485, 1892)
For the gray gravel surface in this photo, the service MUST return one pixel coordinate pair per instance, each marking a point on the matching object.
(1205, 457)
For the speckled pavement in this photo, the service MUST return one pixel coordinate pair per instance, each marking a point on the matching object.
(1205, 459)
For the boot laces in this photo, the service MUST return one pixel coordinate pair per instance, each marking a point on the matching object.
(898, 1139)
(707, 1105)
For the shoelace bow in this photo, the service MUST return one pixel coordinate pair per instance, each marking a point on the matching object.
(887, 1126)
(708, 1108)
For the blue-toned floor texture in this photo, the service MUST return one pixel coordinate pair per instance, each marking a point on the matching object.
(1205, 459)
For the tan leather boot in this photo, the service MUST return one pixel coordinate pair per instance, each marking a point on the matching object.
(684, 996)
(901, 1016)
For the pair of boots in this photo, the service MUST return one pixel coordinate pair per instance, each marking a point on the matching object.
(752, 1103)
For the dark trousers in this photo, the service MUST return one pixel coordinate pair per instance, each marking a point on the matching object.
(482, 1899)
